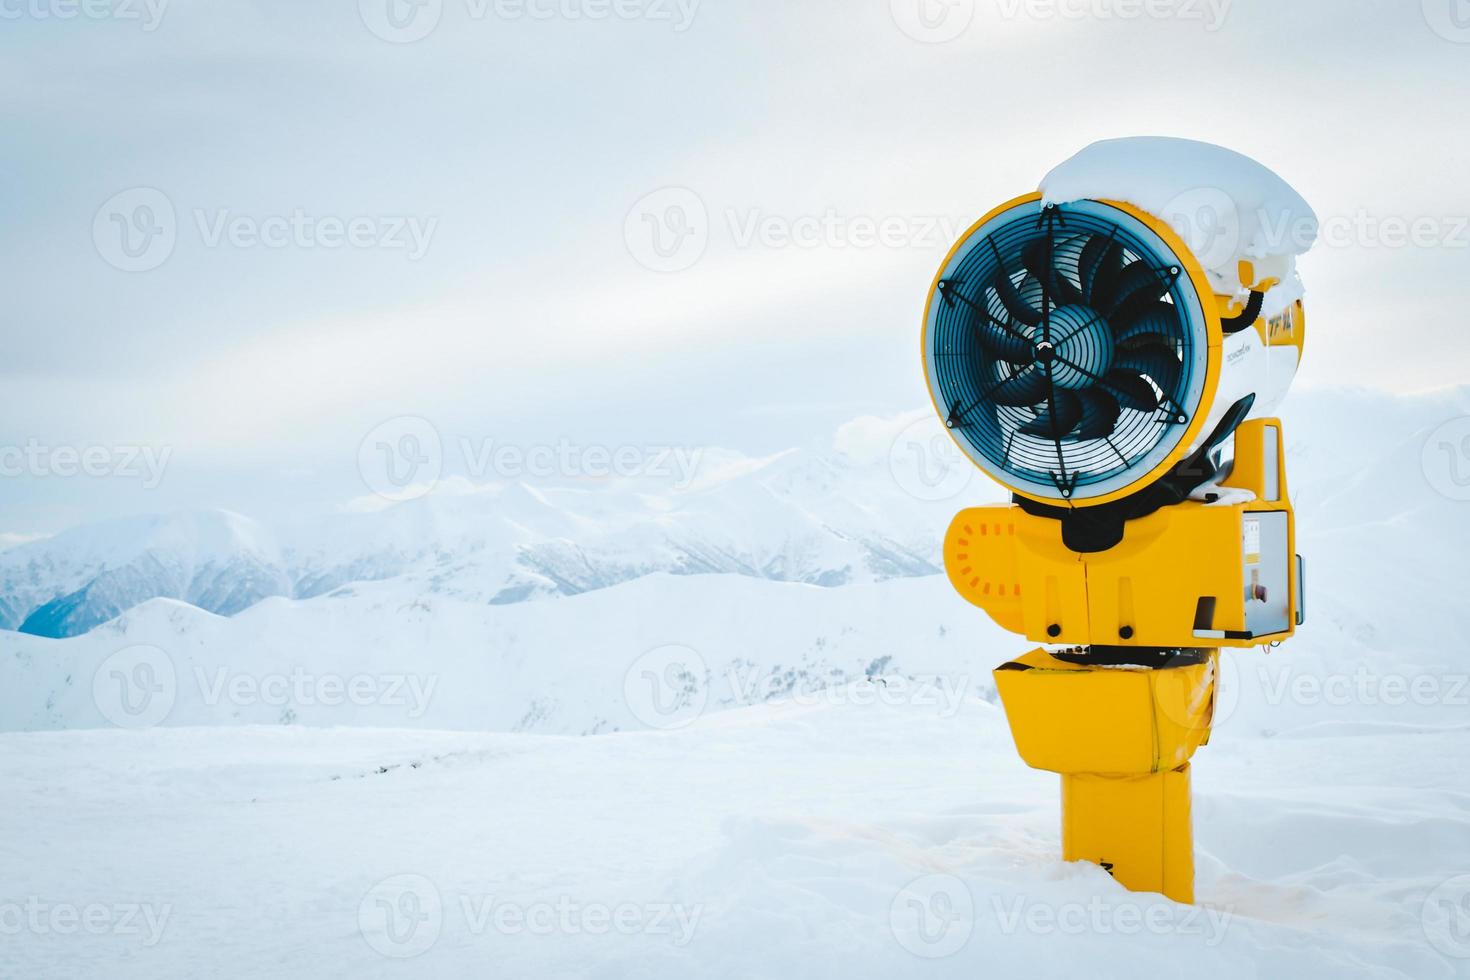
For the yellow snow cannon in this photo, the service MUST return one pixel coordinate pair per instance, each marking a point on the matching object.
(1079, 355)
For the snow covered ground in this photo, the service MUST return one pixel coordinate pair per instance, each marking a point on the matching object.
(777, 778)
(853, 838)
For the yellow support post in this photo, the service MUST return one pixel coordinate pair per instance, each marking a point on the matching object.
(1121, 738)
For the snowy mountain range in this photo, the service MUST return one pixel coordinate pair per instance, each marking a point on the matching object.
(830, 518)
(522, 608)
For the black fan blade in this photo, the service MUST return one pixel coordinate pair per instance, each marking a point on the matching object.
(1068, 414)
(1139, 287)
(1068, 261)
(1061, 290)
(1004, 342)
(1100, 412)
(1157, 361)
(1158, 318)
(1132, 391)
(1102, 286)
(1011, 299)
(1026, 388)
(1090, 261)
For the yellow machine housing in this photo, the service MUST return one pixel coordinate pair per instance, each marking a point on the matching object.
(1186, 575)
(1125, 785)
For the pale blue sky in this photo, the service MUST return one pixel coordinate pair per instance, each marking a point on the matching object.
(519, 144)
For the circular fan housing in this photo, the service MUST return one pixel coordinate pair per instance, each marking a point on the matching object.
(1067, 349)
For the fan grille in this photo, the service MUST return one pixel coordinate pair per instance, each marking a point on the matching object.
(1066, 349)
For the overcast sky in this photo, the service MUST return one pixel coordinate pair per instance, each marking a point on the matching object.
(244, 234)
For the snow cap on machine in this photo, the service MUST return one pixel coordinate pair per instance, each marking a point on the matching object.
(1227, 207)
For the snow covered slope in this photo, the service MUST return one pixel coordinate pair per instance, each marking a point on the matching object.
(839, 840)
(577, 665)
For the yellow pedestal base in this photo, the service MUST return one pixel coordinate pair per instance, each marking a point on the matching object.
(1121, 738)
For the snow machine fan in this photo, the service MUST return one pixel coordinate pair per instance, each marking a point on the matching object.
(1074, 353)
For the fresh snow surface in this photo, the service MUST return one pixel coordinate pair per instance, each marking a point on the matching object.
(836, 840)
(1225, 205)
